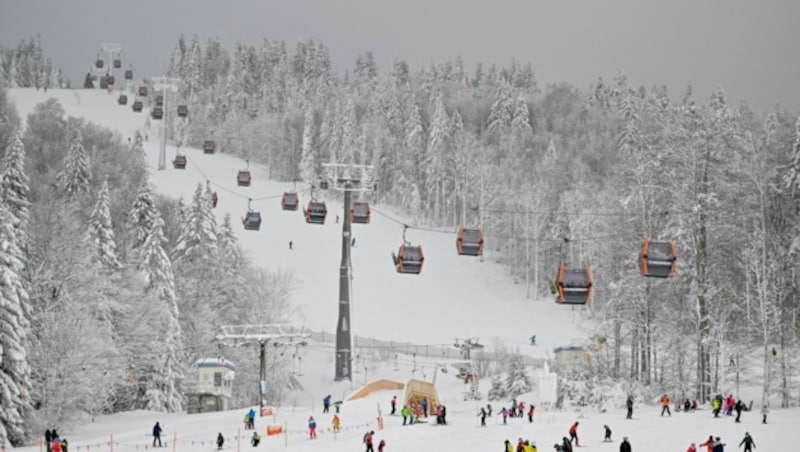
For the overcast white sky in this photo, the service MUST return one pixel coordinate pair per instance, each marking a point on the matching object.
(747, 47)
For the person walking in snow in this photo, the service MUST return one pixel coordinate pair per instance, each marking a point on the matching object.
(393, 403)
(312, 428)
(530, 413)
(220, 441)
(665, 405)
(573, 433)
(381, 445)
(764, 413)
(504, 413)
(625, 446)
(368, 438)
(425, 406)
(748, 443)
(337, 424)
(738, 407)
(326, 403)
(629, 405)
(405, 412)
(157, 434)
(48, 438)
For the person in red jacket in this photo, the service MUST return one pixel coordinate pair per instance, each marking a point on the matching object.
(368, 440)
(691, 448)
(381, 445)
(573, 433)
(709, 444)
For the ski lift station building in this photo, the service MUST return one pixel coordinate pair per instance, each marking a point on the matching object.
(214, 386)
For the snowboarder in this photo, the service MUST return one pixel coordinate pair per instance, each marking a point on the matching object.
(625, 446)
(255, 439)
(629, 404)
(573, 433)
(764, 413)
(220, 441)
(482, 415)
(326, 402)
(157, 434)
(312, 428)
(607, 438)
(665, 405)
(748, 443)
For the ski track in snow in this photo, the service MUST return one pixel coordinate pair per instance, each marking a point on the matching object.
(453, 297)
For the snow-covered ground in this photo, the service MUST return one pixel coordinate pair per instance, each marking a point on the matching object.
(454, 297)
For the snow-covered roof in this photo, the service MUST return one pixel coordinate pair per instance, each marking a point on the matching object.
(215, 362)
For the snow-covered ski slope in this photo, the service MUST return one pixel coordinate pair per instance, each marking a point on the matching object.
(453, 297)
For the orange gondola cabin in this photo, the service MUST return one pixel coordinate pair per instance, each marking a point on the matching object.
(573, 285)
(316, 212)
(469, 242)
(658, 259)
(360, 212)
(290, 201)
(179, 162)
(409, 259)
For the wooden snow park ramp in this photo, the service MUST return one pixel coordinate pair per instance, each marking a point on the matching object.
(377, 385)
(416, 391)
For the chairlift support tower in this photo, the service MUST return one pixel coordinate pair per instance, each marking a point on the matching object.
(164, 85)
(347, 178)
(262, 334)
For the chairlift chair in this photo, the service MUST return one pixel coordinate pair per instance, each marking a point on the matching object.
(658, 259)
(143, 91)
(209, 147)
(316, 212)
(122, 99)
(409, 259)
(157, 113)
(469, 242)
(137, 106)
(573, 285)
(129, 74)
(360, 212)
(252, 220)
(179, 162)
(183, 111)
(290, 201)
(243, 178)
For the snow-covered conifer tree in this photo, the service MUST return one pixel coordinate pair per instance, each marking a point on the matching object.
(308, 159)
(793, 175)
(15, 406)
(498, 390)
(163, 393)
(517, 380)
(101, 232)
(198, 237)
(349, 133)
(14, 187)
(76, 176)
(438, 155)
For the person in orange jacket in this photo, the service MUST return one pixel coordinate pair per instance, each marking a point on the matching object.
(709, 444)
(665, 405)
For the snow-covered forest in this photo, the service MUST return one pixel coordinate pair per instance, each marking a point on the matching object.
(552, 173)
(25, 66)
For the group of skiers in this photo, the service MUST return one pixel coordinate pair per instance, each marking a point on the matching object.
(715, 444)
(250, 420)
(517, 410)
(729, 405)
(369, 440)
(414, 412)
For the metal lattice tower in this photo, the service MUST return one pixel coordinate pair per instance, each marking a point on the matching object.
(347, 178)
(165, 85)
(279, 334)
